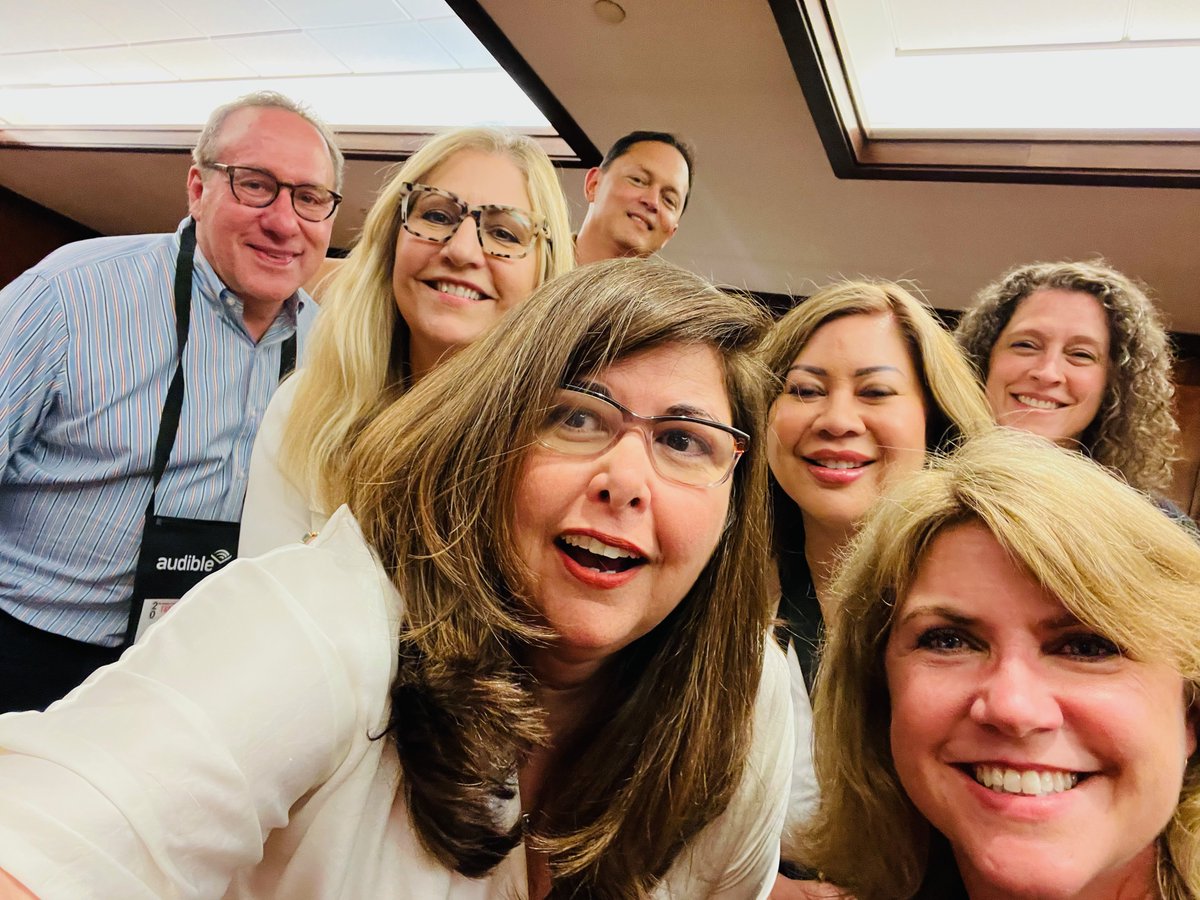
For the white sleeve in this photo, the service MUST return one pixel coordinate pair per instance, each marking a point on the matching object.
(164, 773)
(277, 511)
(804, 795)
(748, 831)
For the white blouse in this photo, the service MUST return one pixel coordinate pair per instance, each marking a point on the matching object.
(231, 754)
(277, 511)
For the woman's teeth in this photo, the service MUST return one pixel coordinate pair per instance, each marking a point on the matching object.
(583, 542)
(1033, 782)
(458, 290)
(1036, 403)
(839, 464)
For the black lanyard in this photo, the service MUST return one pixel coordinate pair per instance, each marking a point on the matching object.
(175, 553)
(168, 428)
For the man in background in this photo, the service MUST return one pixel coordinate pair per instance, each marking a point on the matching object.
(635, 197)
(133, 374)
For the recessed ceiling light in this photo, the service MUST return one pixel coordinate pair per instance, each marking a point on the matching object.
(609, 11)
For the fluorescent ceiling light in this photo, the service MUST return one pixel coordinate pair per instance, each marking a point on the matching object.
(928, 68)
(377, 66)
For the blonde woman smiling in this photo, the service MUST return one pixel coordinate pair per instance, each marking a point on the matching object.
(462, 233)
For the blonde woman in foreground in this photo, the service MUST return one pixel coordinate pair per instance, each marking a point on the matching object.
(1008, 699)
(463, 232)
(529, 659)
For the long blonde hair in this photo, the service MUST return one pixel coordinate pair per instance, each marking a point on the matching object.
(357, 358)
(1111, 557)
(433, 480)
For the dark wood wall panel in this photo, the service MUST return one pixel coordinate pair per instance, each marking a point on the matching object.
(29, 231)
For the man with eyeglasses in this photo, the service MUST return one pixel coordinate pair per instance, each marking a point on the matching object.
(134, 372)
(635, 197)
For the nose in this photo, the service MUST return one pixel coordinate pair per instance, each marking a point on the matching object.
(838, 416)
(623, 478)
(279, 218)
(1016, 699)
(650, 198)
(463, 249)
(1047, 369)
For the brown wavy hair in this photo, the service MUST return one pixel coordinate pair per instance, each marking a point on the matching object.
(1134, 434)
(433, 480)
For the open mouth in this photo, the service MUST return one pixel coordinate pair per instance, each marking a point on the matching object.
(645, 223)
(1035, 403)
(457, 290)
(592, 553)
(1030, 782)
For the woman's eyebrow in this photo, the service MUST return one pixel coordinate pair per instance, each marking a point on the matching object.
(939, 611)
(692, 412)
(858, 373)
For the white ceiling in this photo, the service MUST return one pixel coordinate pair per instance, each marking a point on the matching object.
(151, 62)
(767, 212)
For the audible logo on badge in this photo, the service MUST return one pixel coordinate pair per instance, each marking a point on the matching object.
(192, 563)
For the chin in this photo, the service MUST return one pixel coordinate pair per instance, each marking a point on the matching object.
(1049, 874)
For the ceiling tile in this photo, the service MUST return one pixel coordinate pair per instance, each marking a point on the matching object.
(323, 14)
(140, 21)
(282, 54)
(426, 9)
(385, 48)
(461, 42)
(33, 69)
(1159, 20)
(120, 65)
(226, 17)
(53, 24)
(931, 24)
(197, 60)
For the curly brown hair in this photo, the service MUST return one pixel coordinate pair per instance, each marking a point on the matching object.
(1134, 434)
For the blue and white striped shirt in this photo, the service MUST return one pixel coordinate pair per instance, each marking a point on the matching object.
(87, 351)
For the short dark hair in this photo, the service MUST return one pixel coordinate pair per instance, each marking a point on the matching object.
(622, 144)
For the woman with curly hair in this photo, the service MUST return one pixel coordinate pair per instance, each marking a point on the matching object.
(1007, 706)
(463, 231)
(1077, 353)
(530, 657)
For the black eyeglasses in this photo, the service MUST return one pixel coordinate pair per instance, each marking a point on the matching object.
(258, 188)
(683, 449)
(434, 215)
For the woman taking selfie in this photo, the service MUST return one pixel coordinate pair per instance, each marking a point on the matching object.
(529, 659)
(1007, 701)
(1076, 352)
(464, 231)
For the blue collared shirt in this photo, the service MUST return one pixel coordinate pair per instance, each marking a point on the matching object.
(87, 351)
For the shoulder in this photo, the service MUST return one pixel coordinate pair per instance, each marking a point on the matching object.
(334, 576)
(99, 252)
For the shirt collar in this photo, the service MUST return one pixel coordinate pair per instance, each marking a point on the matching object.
(214, 292)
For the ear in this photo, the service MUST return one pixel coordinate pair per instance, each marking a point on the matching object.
(1193, 722)
(195, 190)
(590, 182)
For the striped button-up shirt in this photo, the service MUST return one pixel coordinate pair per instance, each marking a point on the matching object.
(87, 351)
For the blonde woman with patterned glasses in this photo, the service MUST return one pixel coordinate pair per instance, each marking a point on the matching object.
(463, 232)
(529, 659)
